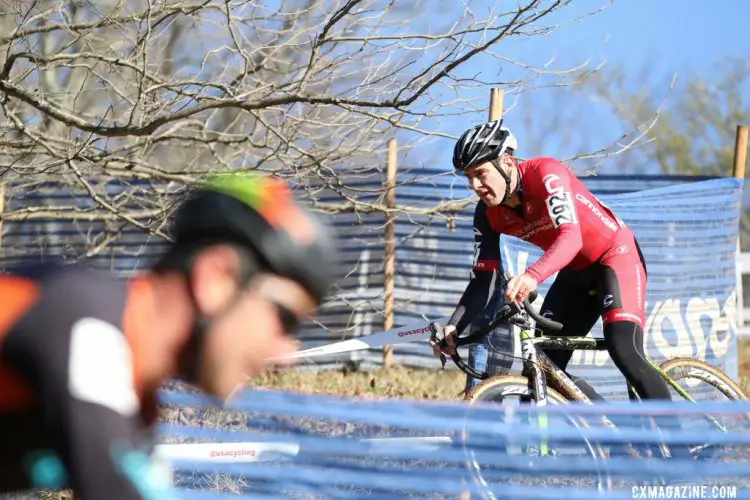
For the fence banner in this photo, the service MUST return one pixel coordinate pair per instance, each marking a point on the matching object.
(409, 333)
(687, 228)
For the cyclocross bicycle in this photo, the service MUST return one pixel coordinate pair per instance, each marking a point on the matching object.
(538, 368)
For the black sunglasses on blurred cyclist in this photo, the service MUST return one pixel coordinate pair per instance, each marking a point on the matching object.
(289, 321)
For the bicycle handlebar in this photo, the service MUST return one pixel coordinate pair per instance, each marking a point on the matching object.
(506, 314)
(545, 323)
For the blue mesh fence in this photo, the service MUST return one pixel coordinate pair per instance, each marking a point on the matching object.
(274, 445)
(332, 448)
(268, 444)
(433, 256)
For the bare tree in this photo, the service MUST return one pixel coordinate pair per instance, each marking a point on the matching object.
(165, 91)
(121, 105)
(694, 119)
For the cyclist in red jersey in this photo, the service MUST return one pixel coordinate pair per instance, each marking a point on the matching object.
(82, 354)
(601, 271)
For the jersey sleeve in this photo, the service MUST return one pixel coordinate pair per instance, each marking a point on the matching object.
(79, 363)
(486, 266)
(556, 189)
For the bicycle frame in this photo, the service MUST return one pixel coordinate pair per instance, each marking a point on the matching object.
(540, 368)
(534, 357)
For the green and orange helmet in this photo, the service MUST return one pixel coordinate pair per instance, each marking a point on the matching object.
(258, 212)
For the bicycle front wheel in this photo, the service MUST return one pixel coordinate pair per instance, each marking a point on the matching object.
(492, 473)
(696, 380)
(689, 369)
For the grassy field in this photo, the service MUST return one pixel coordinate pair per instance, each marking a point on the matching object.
(400, 382)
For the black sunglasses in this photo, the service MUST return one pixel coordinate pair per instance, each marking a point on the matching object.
(289, 321)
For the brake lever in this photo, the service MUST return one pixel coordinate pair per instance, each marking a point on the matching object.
(522, 322)
(438, 337)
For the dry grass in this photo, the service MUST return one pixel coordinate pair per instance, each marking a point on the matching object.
(744, 355)
(395, 382)
(410, 383)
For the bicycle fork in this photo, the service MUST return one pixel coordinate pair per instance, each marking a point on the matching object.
(539, 364)
(530, 358)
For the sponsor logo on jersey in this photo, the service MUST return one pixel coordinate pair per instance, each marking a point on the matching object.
(477, 248)
(611, 212)
(639, 288)
(620, 315)
(529, 230)
(487, 265)
(475, 259)
(598, 213)
(559, 202)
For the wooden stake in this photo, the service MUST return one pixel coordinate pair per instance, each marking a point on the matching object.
(738, 171)
(496, 104)
(740, 152)
(496, 113)
(390, 246)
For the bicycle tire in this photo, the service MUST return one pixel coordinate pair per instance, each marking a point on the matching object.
(679, 368)
(510, 385)
(685, 367)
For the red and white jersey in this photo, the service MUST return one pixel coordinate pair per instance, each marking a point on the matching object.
(558, 214)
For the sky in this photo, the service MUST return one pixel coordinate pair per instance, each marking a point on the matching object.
(683, 37)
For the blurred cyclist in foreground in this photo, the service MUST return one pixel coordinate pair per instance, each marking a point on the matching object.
(82, 354)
